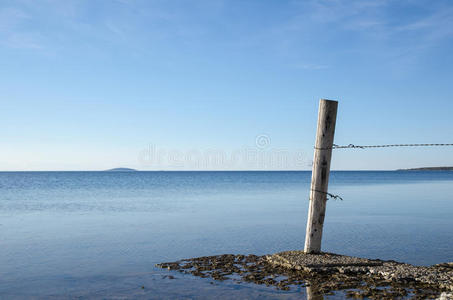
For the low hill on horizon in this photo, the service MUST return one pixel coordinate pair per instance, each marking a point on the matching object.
(429, 169)
(121, 170)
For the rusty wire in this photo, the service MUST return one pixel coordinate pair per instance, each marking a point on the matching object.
(335, 146)
(352, 146)
(331, 196)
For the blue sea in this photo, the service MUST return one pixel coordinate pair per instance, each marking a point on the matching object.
(99, 234)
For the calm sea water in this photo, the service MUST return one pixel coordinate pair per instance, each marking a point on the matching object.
(99, 234)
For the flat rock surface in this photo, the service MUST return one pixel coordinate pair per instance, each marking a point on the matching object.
(440, 275)
(299, 260)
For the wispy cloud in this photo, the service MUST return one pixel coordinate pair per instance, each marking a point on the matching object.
(388, 30)
(12, 33)
(11, 17)
(24, 41)
(303, 36)
(436, 26)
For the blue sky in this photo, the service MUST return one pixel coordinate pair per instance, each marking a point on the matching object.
(91, 85)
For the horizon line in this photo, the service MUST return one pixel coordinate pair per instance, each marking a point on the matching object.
(251, 170)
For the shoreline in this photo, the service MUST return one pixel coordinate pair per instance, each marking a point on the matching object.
(324, 274)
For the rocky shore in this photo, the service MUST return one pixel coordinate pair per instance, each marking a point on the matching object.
(325, 273)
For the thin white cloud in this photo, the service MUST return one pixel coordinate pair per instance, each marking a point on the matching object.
(11, 33)
(438, 25)
(10, 18)
(370, 28)
(24, 41)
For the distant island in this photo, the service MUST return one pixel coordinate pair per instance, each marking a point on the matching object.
(121, 170)
(429, 169)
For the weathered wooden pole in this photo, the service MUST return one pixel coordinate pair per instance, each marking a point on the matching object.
(320, 175)
(313, 293)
